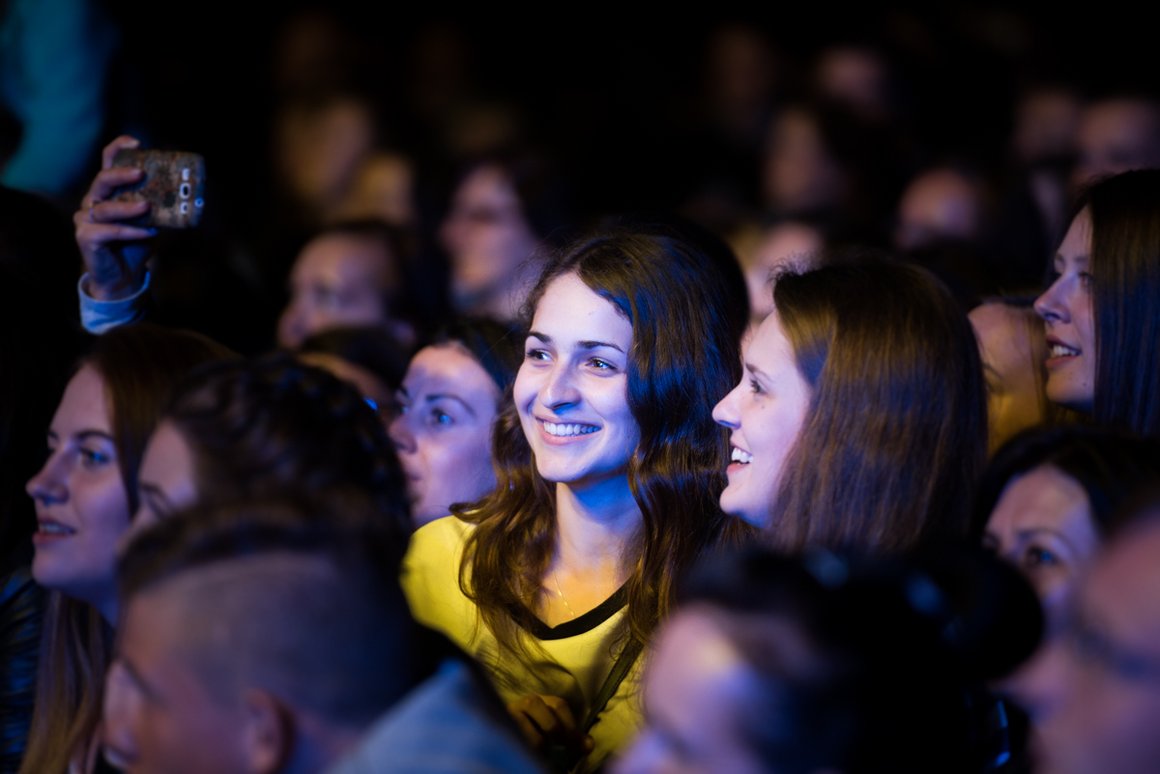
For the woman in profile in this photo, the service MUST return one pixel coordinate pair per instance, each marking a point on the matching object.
(862, 418)
(1100, 311)
(85, 496)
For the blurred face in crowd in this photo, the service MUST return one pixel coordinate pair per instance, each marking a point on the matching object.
(1012, 353)
(161, 715)
(1066, 308)
(167, 481)
(487, 238)
(82, 509)
(1115, 135)
(1042, 523)
(789, 243)
(800, 172)
(940, 204)
(1107, 676)
(572, 389)
(698, 691)
(337, 280)
(765, 413)
(442, 428)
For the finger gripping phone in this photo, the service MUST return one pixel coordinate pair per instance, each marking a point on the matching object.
(174, 186)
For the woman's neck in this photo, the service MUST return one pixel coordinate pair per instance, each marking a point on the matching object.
(594, 525)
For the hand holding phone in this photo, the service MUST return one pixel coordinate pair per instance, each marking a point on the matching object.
(173, 184)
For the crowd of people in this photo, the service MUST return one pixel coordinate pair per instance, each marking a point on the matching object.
(843, 457)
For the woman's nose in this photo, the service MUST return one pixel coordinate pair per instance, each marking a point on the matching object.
(1050, 304)
(560, 387)
(48, 483)
(725, 412)
(400, 433)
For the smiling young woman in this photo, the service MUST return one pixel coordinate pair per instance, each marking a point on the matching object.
(608, 467)
(857, 423)
(1100, 313)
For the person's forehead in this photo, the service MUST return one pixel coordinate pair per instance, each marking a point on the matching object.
(340, 254)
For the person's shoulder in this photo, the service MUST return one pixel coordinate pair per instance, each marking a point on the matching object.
(444, 531)
(434, 552)
(451, 722)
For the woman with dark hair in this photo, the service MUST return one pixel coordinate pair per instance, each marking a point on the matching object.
(1100, 309)
(608, 472)
(1046, 503)
(830, 661)
(85, 496)
(506, 207)
(367, 356)
(267, 425)
(446, 407)
(863, 415)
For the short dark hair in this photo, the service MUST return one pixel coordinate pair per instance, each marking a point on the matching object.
(1110, 465)
(900, 650)
(497, 346)
(271, 424)
(338, 640)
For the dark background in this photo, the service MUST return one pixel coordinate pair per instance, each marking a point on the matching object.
(611, 88)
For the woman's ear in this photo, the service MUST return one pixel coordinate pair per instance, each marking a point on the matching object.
(268, 738)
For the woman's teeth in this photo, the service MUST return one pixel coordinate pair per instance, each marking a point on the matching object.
(1062, 350)
(743, 457)
(564, 430)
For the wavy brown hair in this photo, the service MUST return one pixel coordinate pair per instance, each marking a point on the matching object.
(683, 305)
(896, 432)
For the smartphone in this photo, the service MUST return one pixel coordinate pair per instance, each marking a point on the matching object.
(174, 186)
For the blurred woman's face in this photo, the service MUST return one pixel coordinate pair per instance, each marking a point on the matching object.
(1043, 524)
(82, 509)
(765, 413)
(1015, 399)
(167, 481)
(487, 238)
(697, 690)
(447, 405)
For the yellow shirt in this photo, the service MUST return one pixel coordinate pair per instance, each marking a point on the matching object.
(571, 660)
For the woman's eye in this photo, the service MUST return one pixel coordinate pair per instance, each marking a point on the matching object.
(92, 458)
(601, 364)
(327, 298)
(1085, 279)
(1036, 556)
(536, 354)
(754, 387)
(440, 417)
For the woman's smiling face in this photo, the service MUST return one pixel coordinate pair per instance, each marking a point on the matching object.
(765, 413)
(572, 390)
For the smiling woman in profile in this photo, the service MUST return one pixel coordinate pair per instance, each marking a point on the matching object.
(1100, 310)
